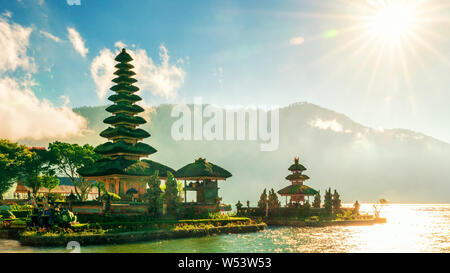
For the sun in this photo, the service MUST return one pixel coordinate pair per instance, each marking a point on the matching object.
(393, 22)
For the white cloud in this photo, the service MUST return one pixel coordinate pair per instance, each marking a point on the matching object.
(102, 69)
(297, 41)
(327, 125)
(7, 14)
(24, 116)
(77, 41)
(50, 36)
(74, 2)
(14, 41)
(162, 80)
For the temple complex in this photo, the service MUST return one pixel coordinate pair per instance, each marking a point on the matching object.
(203, 177)
(121, 169)
(297, 191)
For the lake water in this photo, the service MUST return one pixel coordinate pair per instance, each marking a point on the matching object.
(409, 228)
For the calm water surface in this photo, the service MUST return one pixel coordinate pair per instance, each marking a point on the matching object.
(410, 228)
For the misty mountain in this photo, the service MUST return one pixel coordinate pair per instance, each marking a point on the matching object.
(362, 163)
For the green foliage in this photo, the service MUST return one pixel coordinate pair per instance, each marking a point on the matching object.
(50, 182)
(328, 202)
(172, 198)
(12, 158)
(316, 202)
(263, 200)
(273, 201)
(154, 194)
(69, 158)
(38, 169)
(336, 202)
(111, 196)
(238, 205)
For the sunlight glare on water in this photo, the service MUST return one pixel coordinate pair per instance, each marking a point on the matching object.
(409, 228)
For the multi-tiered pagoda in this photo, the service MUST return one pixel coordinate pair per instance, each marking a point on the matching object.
(121, 168)
(297, 191)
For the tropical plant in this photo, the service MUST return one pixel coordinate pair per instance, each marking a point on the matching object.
(12, 157)
(336, 202)
(262, 203)
(238, 205)
(154, 194)
(273, 201)
(328, 202)
(316, 203)
(172, 198)
(69, 158)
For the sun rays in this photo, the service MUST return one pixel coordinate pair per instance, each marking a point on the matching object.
(387, 40)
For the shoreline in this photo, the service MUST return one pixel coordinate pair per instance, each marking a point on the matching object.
(134, 236)
(299, 223)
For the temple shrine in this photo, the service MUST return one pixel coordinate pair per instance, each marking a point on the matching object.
(121, 169)
(297, 191)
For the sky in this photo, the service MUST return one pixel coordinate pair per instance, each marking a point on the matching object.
(385, 64)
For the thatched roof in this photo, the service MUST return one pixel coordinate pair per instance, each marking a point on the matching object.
(122, 166)
(297, 189)
(297, 177)
(124, 119)
(127, 88)
(124, 80)
(202, 169)
(124, 132)
(124, 97)
(124, 147)
(297, 166)
(116, 108)
(65, 187)
(124, 66)
(123, 56)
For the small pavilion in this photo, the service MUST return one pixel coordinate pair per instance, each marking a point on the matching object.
(203, 177)
(121, 169)
(297, 191)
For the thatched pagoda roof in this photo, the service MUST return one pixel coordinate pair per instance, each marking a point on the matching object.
(117, 108)
(123, 57)
(124, 119)
(297, 166)
(201, 170)
(297, 177)
(121, 166)
(123, 147)
(120, 131)
(297, 189)
(124, 97)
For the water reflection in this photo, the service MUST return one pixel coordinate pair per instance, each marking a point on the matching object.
(410, 228)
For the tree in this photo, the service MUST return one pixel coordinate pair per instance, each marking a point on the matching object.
(316, 202)
(238, 206)
(12, 157)
(274, 203)
(263, 200)
(69, 158)
(328, 202)
(336, 202)
(37, 168)
(172, 198)
(49, 182)
(154, 194)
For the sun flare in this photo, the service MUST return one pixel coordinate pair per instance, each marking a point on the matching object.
(393, 21)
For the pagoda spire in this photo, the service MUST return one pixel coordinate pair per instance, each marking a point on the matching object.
(123, 135)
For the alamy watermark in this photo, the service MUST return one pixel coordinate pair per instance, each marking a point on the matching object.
(229, 123)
